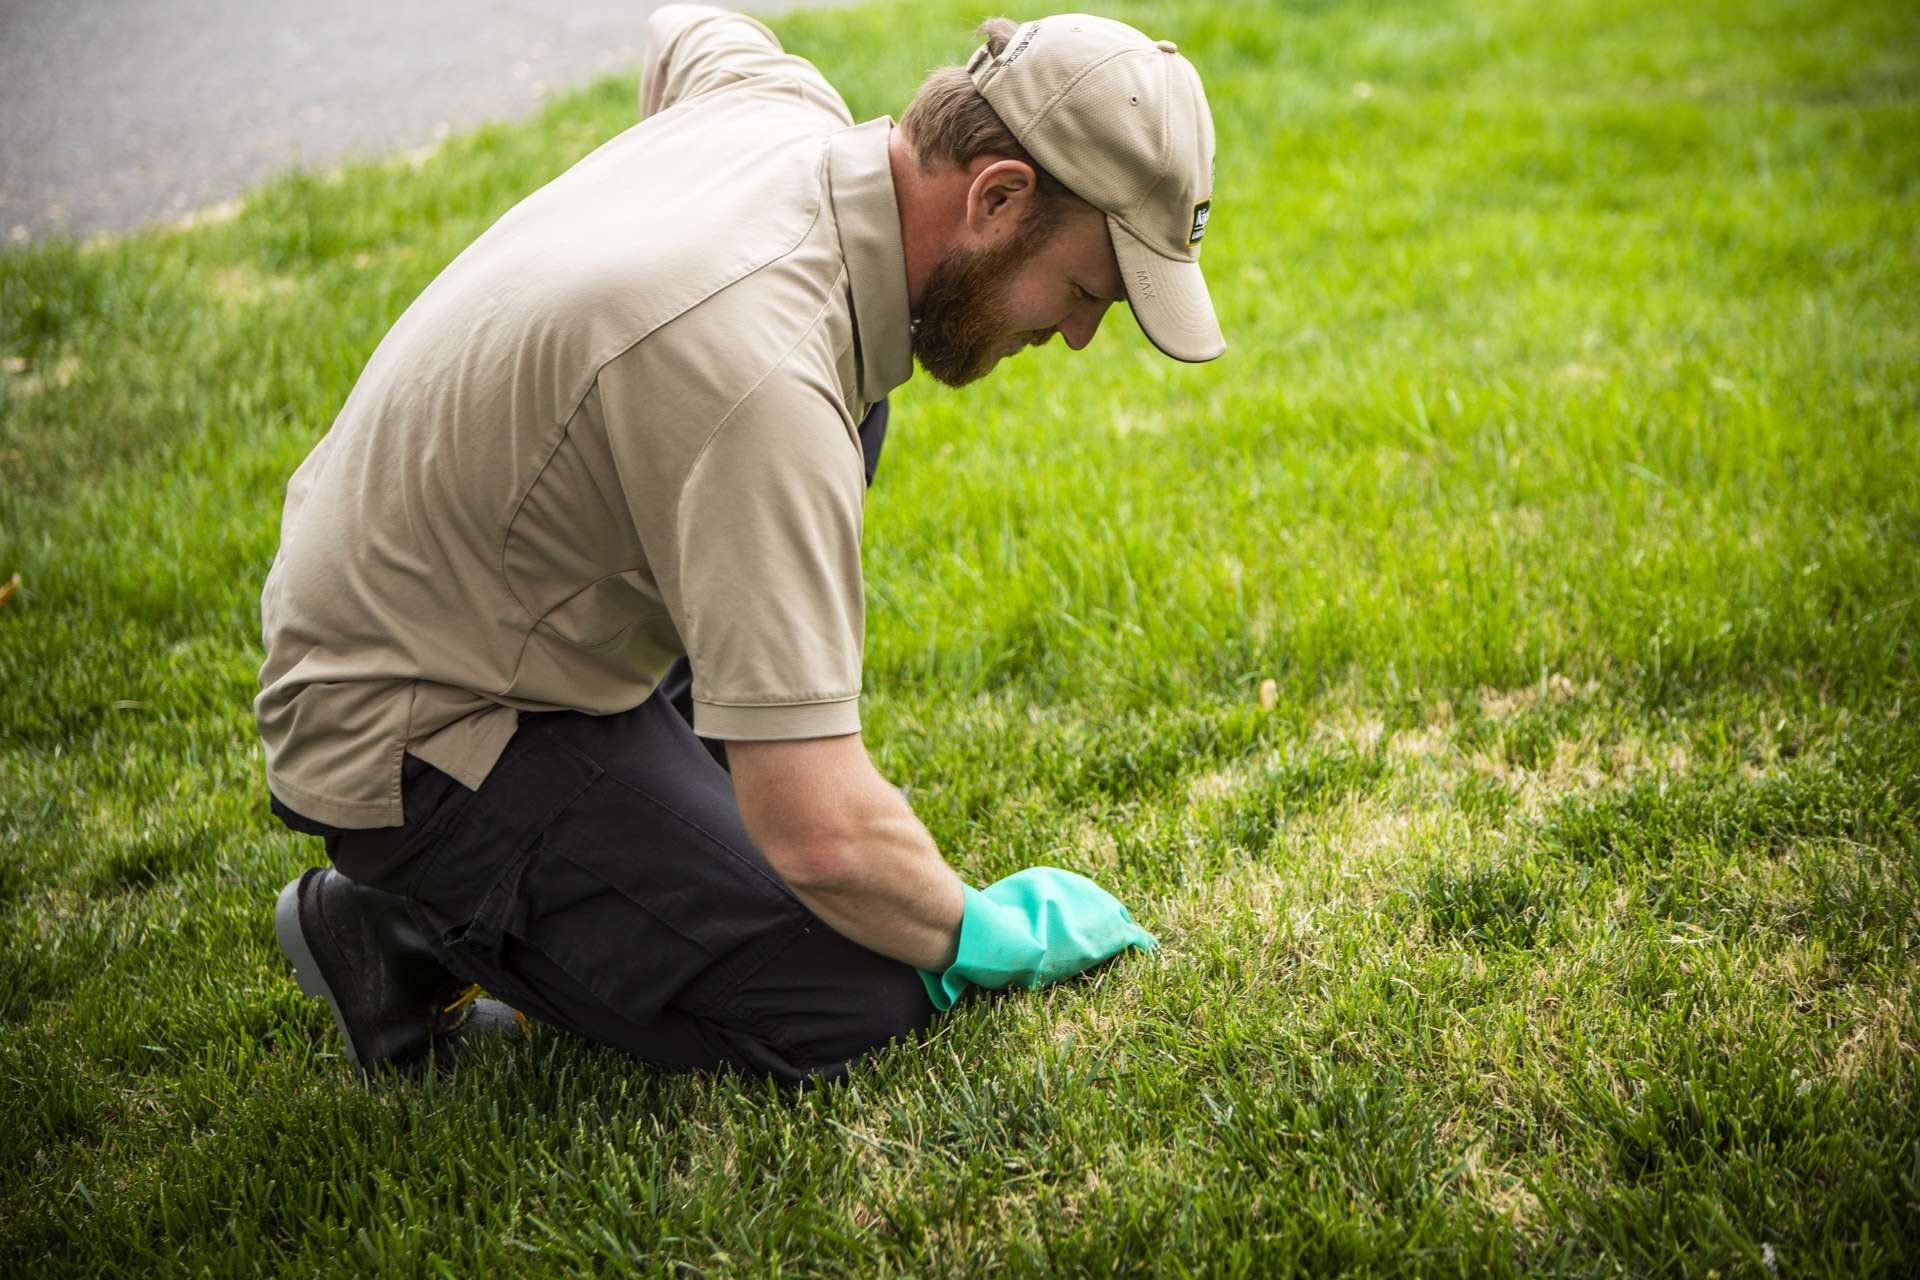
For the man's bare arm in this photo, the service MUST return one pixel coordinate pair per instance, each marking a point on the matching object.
(848, 846)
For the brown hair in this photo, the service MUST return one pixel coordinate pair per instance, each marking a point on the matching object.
(949, 122)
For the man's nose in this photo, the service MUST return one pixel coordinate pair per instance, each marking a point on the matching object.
(1078, 329)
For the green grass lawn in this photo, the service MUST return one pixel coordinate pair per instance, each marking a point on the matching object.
(1555, 909)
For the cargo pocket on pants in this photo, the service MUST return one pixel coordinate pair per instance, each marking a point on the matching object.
(468, 893)
(645, 909)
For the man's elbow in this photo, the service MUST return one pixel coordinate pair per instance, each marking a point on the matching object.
(813, 862)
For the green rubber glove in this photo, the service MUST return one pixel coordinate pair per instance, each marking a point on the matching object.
(1034, 927)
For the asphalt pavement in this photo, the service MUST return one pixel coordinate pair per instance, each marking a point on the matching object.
(117, 113)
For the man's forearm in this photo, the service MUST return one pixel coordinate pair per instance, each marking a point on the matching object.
(891, 892)
(849, 847)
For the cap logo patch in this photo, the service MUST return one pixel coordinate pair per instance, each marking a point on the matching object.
(1200, 212)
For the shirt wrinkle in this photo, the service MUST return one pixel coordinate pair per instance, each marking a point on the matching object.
(513, 516)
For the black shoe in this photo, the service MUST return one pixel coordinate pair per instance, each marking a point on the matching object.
(359, 950)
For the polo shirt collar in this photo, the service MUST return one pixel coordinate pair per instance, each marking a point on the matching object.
(869, 220)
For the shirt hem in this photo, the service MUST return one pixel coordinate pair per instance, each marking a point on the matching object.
(467, 749)
(352, 815)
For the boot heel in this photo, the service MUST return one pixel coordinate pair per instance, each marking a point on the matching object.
(306, 971)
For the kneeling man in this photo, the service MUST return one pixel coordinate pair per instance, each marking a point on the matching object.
(564, 635)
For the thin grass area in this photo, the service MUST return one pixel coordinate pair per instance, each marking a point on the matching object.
(1554, 909)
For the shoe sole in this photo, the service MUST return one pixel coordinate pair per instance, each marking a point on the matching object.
(306, 970)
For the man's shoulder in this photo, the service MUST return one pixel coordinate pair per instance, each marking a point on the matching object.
(768, 346)
(755, 258)
(646, 231)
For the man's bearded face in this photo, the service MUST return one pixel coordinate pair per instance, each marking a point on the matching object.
(963, 327)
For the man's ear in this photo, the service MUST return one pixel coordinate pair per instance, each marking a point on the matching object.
(997, 201)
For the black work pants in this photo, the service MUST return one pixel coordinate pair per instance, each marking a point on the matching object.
(601, 880)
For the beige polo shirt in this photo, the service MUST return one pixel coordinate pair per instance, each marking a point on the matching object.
(619, 428)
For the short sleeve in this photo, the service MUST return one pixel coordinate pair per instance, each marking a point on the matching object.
(693, 49)
(770, 598)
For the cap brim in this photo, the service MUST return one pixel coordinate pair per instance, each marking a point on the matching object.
(1169, 298)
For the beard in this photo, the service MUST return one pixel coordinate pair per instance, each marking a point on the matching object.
(963, 313)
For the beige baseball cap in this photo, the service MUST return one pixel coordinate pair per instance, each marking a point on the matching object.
(1123, 122)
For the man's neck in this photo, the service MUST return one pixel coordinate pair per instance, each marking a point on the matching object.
(927, 202)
